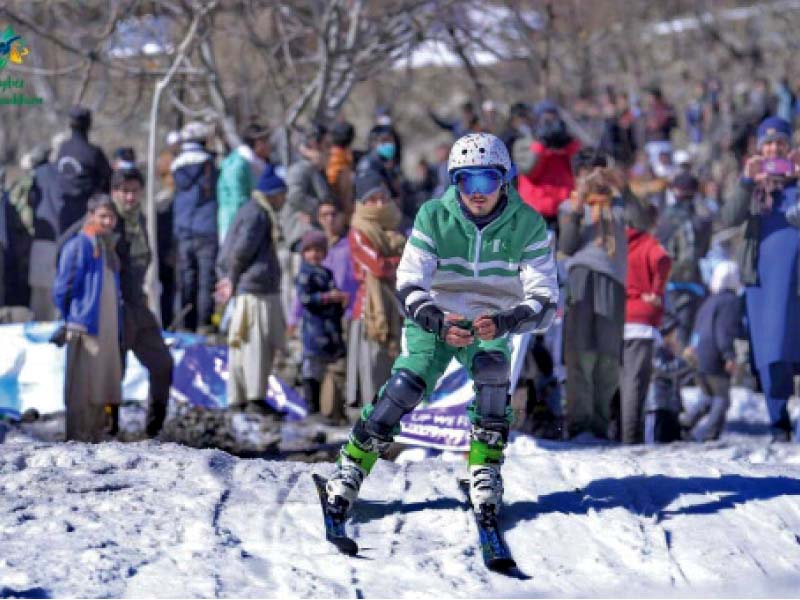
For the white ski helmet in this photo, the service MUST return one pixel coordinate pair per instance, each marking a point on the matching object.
(479, 150)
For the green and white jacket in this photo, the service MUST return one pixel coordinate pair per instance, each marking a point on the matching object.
(449, 262)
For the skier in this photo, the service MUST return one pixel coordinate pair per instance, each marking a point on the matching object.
(478, 266)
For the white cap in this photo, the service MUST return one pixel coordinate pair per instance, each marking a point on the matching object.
(681, 157)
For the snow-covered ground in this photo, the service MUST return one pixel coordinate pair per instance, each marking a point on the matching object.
(160, 520)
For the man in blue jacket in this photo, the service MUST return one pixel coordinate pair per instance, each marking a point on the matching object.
(195, 225)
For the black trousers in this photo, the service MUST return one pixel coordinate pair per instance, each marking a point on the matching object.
(142, 336)
(196, 278)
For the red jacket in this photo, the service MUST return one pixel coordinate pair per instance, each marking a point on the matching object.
(366, 259)
(648, 271)
(550, 181)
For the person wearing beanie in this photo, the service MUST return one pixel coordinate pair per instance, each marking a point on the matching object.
(648, 270)
(339, 170)
(766, 199)
(323, 307)
(376, 247)
(239, 173)
(249, 275)
(82, 167)
(718, 324)
(686, 235)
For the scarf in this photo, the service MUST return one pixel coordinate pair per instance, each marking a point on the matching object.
(102, 246)
(262, 200)
(381, 315)
(134, 233)
(340, 159)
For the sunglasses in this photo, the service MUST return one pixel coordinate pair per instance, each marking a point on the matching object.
(478, 181)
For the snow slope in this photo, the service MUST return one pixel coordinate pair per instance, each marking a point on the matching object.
(160, 520)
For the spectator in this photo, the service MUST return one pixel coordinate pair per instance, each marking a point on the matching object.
(467, 122)
(340, 168)
(124, 158)
(381, 159)
(141, 331)
(164, 226)
(374, 338)
(659, 121)
(440, 155)
(592, 227)
(47, 201)
(195, 226)
(545, 175)
(648, 271)
(323, 308)
(520, 125)
(717, 326)
(670, 373)
(20, 226)
(239, 173)
(87, 293)
(249, 272)
(83, 169)
(686, 235)
(766, 200)
(306, 188)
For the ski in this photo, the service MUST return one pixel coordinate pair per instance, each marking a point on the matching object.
(334, 521)
(494, 550)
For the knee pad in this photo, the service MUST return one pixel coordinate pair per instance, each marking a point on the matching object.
(490, 372)
(404, 390)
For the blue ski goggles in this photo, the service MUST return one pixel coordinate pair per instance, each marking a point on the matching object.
(478, 181)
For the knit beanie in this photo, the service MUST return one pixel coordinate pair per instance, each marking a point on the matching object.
(314, 238)
(367, 183)
(270, 183)
(773, 128)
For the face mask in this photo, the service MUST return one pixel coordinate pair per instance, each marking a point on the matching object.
(386, 150)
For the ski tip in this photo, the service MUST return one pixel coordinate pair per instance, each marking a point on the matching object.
(501, 564)
(344, 545)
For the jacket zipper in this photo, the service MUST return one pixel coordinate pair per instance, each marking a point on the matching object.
(477, 252)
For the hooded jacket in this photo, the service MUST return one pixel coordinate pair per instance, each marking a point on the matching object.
(648, 271)
(195, 205)
(471, 272)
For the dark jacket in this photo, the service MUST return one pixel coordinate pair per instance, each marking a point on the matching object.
(686, 236)
(717, 325)
(83, 169)
(322, 319)
(248, 256)
(195, 204)
(79, 283)
(739, 209)
(47, 202)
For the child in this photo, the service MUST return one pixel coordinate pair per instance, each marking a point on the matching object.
(323, 308)
(86, 291)
(670, 373)
(716, 327)
(648, 271)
